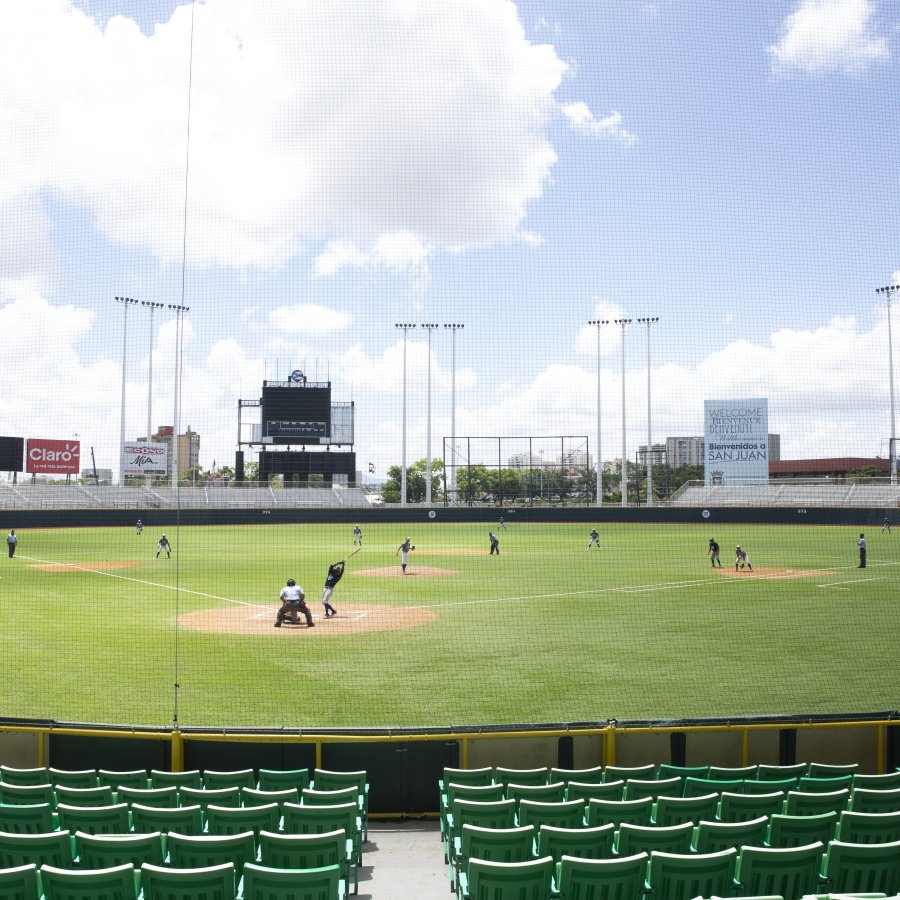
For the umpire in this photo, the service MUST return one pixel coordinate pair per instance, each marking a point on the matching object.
(293, 600)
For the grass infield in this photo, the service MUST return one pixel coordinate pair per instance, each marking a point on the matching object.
(96, 629)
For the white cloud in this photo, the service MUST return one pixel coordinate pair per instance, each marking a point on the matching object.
(610, 335)
(308, 318)
(829, 35)
(582, 119)
(400, 252)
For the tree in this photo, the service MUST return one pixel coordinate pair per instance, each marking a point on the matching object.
(415, 482)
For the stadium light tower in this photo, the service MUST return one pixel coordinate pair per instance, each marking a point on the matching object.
(404, 326)
(152, 306)
(126, 302)
(454, 327)
(648, 321)
(888, 293)
(429, 327)
(624, 323)
(179, 331)
(598, 324)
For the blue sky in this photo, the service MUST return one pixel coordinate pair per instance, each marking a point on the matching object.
(518, 167)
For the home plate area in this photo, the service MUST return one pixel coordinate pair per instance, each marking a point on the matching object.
(351, 618)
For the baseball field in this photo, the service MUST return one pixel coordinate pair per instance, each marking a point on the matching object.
(96, 628)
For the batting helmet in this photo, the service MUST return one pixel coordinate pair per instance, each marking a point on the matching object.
(291, 582)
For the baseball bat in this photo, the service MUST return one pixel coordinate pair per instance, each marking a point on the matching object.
(354, 552)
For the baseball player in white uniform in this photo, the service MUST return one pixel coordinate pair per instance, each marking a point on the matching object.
(403, 550)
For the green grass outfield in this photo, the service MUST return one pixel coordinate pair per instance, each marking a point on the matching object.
(547, 632)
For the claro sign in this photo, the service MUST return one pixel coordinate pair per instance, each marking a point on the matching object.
(53, 457)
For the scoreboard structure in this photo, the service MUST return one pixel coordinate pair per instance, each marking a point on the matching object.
(298, 420)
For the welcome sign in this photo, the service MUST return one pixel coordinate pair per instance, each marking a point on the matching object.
(736, 449)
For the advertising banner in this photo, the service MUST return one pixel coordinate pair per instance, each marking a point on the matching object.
(45, 457)
(146, 459)
(736, 448)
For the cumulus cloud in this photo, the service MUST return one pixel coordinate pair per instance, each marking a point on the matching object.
(581, 118)
(829, 35)
(308, 318)
(400, 252)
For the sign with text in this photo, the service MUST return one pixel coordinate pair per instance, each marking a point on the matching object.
(736, 448)
(53, 457)
(146, 459)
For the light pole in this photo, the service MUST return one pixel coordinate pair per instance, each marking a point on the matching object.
(179, 330)
(624, 323)
(429, 327)
(152, 306)
(404, 326)
(126, 302)
(648, 321)
(598, 324)
(888, 293)
(453, 329)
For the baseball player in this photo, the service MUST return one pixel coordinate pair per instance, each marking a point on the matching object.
(861, 543)
(713, 553)
(403, 550)
(293, 600)
(495, 544)
(741, 559)
(139, 527)
(501, 524)
(164, 546)
(595, 539)
(331, 579)
(886, 527)
(357, 535)
(11, 541)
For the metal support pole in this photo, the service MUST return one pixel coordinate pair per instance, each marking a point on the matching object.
(453, 461)
(179, 331)
(624, 486)
(404, 327)
(429, 327)
(889, 292)
(126, 302)
(598, 324)
(648, 321)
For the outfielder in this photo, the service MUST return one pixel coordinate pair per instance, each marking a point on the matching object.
(164, 546)
(357, 535)
(139, 527)
(403, 550)
(595, 539)
(293, 600)
(741, 559)
(331, 579)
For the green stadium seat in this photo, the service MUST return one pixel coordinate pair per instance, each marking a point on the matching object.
(878, 801)
(163, 797)
(300, 819)
(478, 777)
(12, 775)
(214, 780)
(763, 786)
(700, 787)
(54, 848)
(798, 803)
(255, 797)
(732, 773)
(811, 785)
(310, 851)
(115, 883)
(95, 796)
(622, 878)
(27, 818)
(887, 782)
(666, 770)
(498, 814)
(134, 778)
(587, 843)
(315, 797)
(681, 876)
(532, 880)
(566, 814)
(486, 793)
(777, 773)
(226, 796)
(675, 810)
(582, 776)
(786, 872)
(504, 845)
(112, 819)
(608, 790)
(827, 770)
(20, 883)
(195, 851)
(623, 773)
(262, 883)
(741, 807)
(521, 776)
(868, 828)
(100, 851)
(632, 839)
(161, 778)
(794, 831)
(223, 820)
(281, 779)
(212, 883)
(542, 793)
(328, 780)
(710, 837)
(633, 812)
(183, 819)
(27, 794)
(76, 778)
(638, 788)
(862, 868)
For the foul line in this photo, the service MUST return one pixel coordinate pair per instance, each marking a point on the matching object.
(852, 581)
(167, 587)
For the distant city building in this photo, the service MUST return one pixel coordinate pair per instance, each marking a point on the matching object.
(658, 457)
(188, 448)
(688, 451)
(835, 467)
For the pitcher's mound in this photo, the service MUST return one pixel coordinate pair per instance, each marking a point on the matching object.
(759, 572)
(352, 618)
(411, 570)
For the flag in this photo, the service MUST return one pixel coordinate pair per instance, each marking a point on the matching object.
(371, 467)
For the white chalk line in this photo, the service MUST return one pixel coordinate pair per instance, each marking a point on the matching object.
(851, 581)
(167, 587)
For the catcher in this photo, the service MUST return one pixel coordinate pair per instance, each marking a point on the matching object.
(293, 600)
(403, 550)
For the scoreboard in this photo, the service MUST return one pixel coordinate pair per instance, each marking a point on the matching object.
(295, 413)
(12, 452)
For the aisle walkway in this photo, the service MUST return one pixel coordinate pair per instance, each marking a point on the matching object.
(403, 861)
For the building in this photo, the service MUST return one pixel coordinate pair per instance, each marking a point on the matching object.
(688, 451)
(658, 455)
(835, 467)
(188, 448)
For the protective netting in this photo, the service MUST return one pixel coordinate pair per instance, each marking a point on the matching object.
(263, 263)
